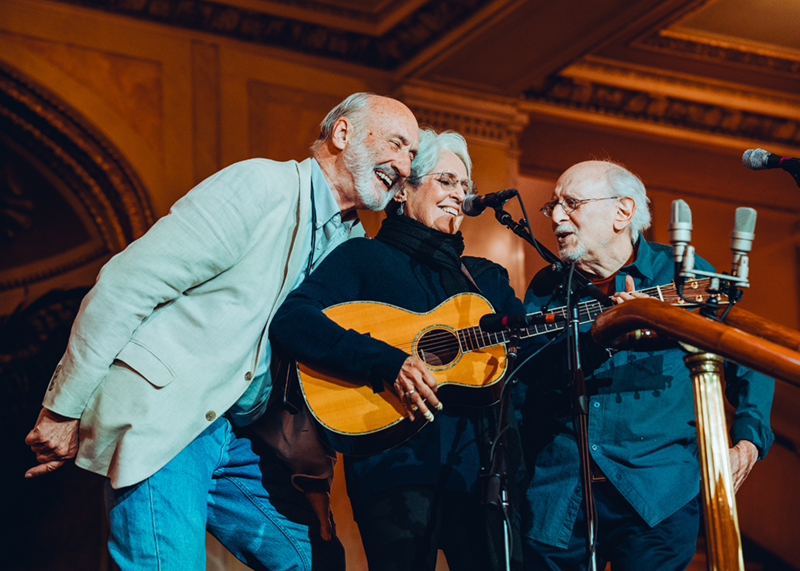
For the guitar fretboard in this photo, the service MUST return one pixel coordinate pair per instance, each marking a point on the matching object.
(474, 338)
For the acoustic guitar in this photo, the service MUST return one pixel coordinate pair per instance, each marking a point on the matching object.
(359, 418)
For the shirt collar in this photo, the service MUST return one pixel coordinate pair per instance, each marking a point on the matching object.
(326, 206)
(643, 262)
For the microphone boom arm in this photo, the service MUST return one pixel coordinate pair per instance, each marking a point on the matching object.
(579, 280)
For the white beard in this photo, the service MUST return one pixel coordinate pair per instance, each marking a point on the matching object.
(574, 253)
(358, 161)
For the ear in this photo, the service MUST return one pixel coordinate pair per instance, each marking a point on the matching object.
(342, 133)
(402, 194)
(626, 208)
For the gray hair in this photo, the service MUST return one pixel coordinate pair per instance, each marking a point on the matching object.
(353, 108)
(623, 182)
(431, 146)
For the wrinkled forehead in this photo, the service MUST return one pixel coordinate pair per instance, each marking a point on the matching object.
(584, 180)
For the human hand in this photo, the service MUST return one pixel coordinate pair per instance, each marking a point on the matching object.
(743, 458)
(416, 388)
(54, 439)
(629, 293)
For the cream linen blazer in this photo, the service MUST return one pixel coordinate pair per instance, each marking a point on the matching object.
(186, 307)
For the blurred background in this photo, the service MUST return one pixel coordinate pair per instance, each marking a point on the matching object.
(111, 110)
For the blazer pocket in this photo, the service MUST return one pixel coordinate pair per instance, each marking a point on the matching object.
(147, 364)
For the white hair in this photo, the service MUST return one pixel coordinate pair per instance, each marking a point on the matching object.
(623, 182)
(431, 145)
(353, 108)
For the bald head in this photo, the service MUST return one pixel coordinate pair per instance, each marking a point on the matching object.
(357, 108)
(617, 181)
(594, 206)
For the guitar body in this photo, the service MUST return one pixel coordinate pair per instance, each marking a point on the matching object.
(357, 418)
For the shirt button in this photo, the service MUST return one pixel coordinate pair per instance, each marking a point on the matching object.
(248, 376)
(319, 246)
(211, 415)
(594, 446)
(336, 218)
(596, 404)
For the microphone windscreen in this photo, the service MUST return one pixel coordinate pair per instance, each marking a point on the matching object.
(680, 213)
(745, 220)
(492, 322)
(545, 282)
(469, 207)
(755, 159)
(743, 233)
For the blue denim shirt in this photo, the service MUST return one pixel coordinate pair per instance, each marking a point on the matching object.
(641, 427)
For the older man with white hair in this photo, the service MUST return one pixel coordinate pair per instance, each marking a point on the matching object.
(641, 433)
(170, 349)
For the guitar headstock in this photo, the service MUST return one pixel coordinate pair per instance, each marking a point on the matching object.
(693, 290)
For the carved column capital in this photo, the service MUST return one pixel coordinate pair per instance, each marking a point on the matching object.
(495, 123)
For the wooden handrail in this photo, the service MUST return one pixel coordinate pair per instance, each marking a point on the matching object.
(764, 328)
(748, 349)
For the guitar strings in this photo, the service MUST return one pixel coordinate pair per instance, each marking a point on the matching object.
(450, 340)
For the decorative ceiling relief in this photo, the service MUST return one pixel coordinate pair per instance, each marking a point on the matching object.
(387, 51)
(666, 110)
(717, 51)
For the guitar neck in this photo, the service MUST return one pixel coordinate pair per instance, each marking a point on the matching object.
(474, 338)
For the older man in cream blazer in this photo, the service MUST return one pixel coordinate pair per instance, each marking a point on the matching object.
(173, 336)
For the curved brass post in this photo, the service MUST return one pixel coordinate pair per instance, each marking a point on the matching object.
(723, 541)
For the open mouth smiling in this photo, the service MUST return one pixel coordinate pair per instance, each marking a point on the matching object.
(384, 178)
(449, 210)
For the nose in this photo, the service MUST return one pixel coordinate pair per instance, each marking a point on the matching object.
(403, 165)
(559, 214)
(458, 193)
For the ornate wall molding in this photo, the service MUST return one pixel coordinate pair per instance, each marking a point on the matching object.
(638, 78)
(81, 165)
(494, 123)
(419, 29)
(612, 102)
(684, 45)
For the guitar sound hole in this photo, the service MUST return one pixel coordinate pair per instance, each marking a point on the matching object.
(438, 347)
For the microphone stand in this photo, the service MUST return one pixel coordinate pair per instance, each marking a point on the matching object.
(578, 285)
(495, 491)
(580, 414)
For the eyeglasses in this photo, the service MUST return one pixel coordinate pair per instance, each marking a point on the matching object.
(450, 181)
(569, 204)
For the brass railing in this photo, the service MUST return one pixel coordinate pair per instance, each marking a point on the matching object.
(745, 338)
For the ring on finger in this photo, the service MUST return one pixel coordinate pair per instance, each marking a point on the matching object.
(411, 392)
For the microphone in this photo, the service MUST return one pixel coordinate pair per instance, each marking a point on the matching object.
(475, 204)
(680, 230)
(742, 236)
(494, 322)
(546, 281)
(759, 159)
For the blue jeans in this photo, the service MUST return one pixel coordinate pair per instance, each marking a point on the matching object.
(217, 483)
(624, 539)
